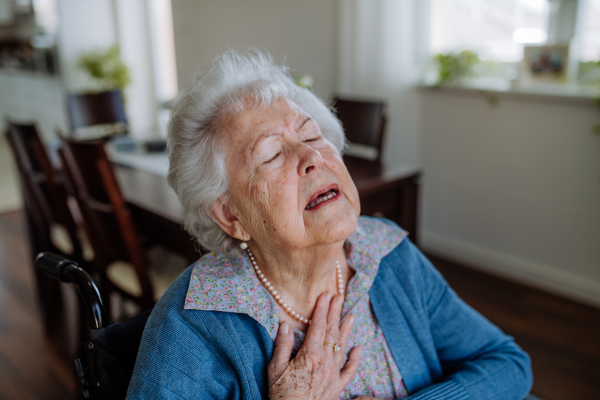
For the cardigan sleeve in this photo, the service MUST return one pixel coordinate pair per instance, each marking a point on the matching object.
(478, 360)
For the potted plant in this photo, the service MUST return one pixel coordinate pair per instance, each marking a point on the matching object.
(106, 69)
(454, 66)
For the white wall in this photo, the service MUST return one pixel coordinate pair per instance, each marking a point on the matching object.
(305, 32)
(515, 189)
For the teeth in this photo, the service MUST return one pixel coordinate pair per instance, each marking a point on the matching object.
(320, 200)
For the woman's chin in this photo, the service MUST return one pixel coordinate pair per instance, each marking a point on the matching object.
(332, 223)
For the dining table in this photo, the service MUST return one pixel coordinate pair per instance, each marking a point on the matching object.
(156, 210)
(384, 192)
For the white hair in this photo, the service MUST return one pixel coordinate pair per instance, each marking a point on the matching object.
(197, 172)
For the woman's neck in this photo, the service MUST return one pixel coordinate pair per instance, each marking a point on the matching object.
(299, 277)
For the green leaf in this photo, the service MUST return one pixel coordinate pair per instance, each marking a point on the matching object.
(106, 68)
(453, 66)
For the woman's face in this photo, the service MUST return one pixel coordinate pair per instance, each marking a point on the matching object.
(288, 184)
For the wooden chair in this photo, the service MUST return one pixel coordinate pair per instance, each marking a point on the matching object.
(120, 260)
(364, 122)
(93, 109)
(50, 223)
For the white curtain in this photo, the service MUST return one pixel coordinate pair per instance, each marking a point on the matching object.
(381, 52)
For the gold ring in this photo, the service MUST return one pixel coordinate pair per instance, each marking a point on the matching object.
(336, 347)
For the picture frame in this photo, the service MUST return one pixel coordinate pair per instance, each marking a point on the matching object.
(546, 63)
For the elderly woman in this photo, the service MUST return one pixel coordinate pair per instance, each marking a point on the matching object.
(256, 162)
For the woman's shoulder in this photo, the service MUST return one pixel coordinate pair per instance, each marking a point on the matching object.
(172, 313)
(183, 350)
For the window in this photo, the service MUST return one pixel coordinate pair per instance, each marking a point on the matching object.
(494, 29)
(590, 30)
(163, 46)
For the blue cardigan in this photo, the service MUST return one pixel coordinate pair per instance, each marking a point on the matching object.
(443, 348)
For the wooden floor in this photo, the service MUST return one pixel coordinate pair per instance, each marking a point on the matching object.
(31, 367)
(562, 337)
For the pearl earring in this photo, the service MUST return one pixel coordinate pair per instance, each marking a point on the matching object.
(243, 245)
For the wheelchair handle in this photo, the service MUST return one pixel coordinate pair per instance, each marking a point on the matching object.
(68, 271)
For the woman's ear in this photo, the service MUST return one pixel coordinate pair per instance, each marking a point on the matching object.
(230, 224)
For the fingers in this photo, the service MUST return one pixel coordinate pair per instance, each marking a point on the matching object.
(345, 330)
(318, 326)
(282, 353)
(333, 320)
(351, 367)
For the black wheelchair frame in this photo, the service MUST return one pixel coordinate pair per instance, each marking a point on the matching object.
(105, 362)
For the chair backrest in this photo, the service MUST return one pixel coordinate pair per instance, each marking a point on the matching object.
(109, 225)
(44, 194)
(363, 121)
(95, 109)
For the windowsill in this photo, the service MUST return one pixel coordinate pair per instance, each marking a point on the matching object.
(498, 89)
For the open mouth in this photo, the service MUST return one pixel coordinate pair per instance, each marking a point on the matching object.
(321, 198)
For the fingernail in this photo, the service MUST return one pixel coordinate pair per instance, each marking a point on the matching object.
(284, 328)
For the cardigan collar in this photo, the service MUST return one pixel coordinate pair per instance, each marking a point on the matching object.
(226, 281)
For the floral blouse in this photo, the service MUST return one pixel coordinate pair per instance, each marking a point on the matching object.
(227, 282)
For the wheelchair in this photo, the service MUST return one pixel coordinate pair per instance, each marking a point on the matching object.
(105, 362)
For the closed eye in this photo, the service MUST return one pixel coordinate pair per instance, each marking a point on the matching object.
(313, 139)
(276, 155)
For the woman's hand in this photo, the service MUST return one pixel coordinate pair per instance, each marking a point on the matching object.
(316, 372)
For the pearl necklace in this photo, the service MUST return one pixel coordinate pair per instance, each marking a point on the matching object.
(277, 297)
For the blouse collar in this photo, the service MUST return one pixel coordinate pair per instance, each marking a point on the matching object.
(227, 282)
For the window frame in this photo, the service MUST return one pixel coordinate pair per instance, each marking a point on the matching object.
(564, 25)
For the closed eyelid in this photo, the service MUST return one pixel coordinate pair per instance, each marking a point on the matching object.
(261, 138)
(272, 158)
(311, 133)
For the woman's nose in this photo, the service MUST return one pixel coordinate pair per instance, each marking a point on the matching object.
(310, 160)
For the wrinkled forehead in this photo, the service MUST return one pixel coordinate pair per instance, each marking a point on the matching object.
(257, 116)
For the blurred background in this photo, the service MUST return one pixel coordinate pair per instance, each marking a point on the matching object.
(479, 133)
